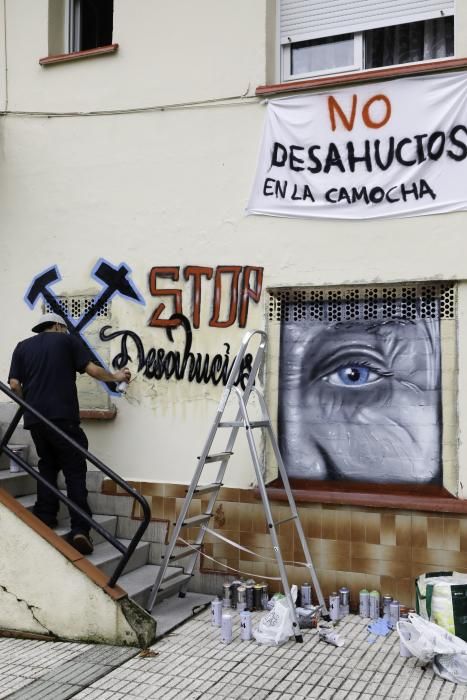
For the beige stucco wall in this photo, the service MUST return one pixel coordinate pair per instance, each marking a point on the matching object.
(169, 187)
(67, 604)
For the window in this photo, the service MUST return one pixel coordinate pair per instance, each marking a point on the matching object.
(90, 24)
(320, 38)
(366, 382)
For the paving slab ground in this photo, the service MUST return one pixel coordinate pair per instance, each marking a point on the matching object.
(192, 663)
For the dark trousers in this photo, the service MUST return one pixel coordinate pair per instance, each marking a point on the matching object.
(56, 455)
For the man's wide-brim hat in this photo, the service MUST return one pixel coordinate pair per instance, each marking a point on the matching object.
(45, 321)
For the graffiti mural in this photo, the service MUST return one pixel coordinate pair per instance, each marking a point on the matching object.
(239, 284)
(360, 398)
(226, 291)
(113, 280)
(159, 363)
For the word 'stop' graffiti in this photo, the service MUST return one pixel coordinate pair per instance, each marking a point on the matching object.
(240, 284)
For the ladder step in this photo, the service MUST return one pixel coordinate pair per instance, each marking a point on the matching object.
(231, 424)
(174, 582)
(219, 457)
(185, 553)
(208, 488)
(195, 519)
(259, 424)
(286, 520)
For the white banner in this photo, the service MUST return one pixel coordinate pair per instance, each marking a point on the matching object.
(389, 149)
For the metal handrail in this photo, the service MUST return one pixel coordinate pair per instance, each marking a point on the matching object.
(126, 551)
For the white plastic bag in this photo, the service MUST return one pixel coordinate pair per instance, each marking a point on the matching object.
(425, 639)
(451, 667)
(275, 627)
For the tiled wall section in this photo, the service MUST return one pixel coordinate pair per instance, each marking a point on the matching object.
(358, 547)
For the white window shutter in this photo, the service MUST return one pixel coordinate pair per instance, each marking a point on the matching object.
(301, 20)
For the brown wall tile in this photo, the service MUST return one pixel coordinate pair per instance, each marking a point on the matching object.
(388, 529)
(463, 534)
(175, 490)
(438, 559)
(229, 494)
(435, 533)
(357, 526)
(343, 523)
(328, 524)
(379, 551)
(311, 521)
(393, 569)
(452, 534)
(419, 531)
(157, 506)
(403, 530)
(372, 528)
(152, 489)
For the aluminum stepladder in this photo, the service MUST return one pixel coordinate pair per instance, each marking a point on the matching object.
(176, 580)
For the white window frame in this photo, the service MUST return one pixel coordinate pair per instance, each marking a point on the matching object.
(72, 28)
(283, 52)
(286, 52)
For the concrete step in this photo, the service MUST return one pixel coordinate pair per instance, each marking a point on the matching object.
(17, 483)
(106, 557)
(139, 582)
(29, 500)
(107, 521)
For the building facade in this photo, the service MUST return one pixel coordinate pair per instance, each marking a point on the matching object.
(131, 141)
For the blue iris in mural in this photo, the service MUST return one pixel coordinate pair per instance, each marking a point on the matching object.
(353, 375)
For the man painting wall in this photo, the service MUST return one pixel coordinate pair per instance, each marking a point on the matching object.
(43, 372)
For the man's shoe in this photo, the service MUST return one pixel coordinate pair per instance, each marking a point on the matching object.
(82, 542)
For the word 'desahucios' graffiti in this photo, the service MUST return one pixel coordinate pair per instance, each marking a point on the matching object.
(159, 363)
(234, 285)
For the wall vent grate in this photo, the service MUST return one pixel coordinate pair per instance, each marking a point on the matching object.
(408, 301)
(75, 307)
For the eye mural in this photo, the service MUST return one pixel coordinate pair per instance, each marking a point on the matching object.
(360, 396)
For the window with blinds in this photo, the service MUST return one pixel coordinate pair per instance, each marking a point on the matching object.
(319, 37)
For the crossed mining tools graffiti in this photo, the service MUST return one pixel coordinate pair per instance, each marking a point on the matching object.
(115, 280)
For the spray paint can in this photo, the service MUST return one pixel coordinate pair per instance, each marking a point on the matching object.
(305, 591)
(394, 613)
(344, 602)
(387, 599)
(334, 606)
(250, 596)
(216, 612)
(265, 596)
(258, 596)
(403, 612)
(122, 387)
(245, 626)
(364, 599)
(234, 593)
(374, 605)
(226, 595)
(226, 628)
(241, 598)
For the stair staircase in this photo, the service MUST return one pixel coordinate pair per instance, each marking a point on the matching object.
(112, 512)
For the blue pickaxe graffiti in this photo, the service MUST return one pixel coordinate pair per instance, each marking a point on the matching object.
(115, 281)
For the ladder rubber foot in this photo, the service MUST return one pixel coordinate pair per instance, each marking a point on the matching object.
(181, 594)
(299, 638)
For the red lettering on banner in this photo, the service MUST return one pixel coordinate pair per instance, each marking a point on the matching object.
(334, 107)
(349, 122)
(368, 121)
